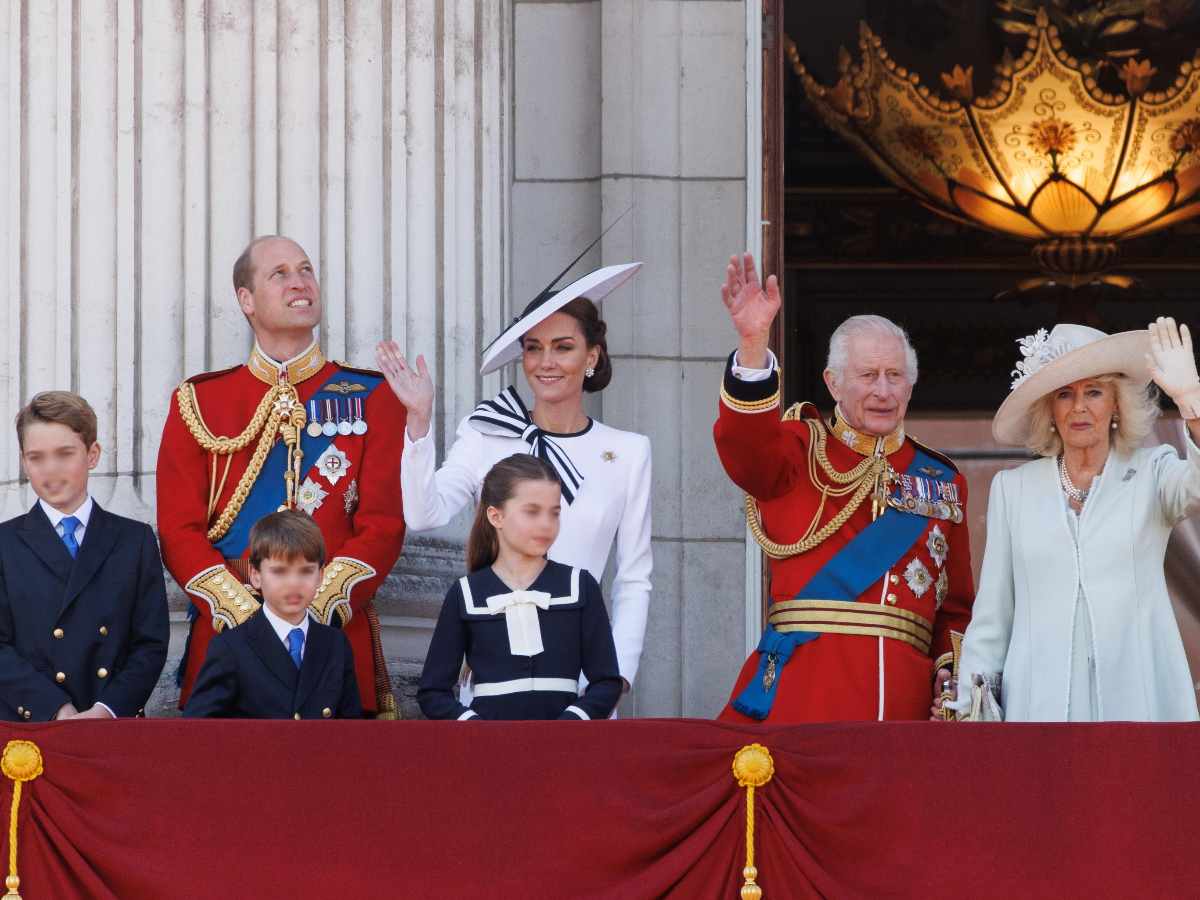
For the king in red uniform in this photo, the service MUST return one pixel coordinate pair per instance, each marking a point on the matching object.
(287, 429)
(871, 566)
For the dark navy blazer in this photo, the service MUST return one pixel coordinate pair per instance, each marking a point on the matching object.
(248, 674)
(93, 628)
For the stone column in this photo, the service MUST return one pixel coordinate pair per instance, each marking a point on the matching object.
(625, 103)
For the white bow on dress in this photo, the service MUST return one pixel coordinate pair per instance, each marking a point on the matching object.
(521, 616)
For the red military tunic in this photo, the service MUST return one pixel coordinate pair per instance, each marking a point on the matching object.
(843, 675)
(352, 491)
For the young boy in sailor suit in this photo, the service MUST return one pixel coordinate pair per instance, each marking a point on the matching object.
(526, 626)
(83, 607)
(280, 663)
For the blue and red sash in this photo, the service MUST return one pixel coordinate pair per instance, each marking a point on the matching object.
(269, 491)
(845, 577)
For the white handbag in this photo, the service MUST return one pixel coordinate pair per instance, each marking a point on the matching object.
(985, 703)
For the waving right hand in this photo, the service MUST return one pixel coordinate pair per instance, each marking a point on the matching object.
(412, 386)
(751, 308)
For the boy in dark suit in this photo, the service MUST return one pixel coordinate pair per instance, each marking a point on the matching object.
(83, 608)
(280, 664)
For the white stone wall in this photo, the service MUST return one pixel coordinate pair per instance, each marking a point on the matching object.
(642, 103)
(145, 142)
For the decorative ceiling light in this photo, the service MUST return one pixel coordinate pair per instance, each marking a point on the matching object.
(1048, 156)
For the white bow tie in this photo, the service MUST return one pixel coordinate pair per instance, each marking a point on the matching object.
(520, 615)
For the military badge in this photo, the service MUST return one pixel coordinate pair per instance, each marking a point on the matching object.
(938, 546)
(314, 420)
(917, 576)
(930, 471)
(329, 424)
(940, 589)
(345, 387)
(310, 496)
(350, 498)
(926, 497)
(333, 464)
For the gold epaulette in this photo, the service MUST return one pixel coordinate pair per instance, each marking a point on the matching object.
(341, 574)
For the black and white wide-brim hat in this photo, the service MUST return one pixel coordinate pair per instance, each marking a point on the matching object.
(594, 286)
(1069, 353)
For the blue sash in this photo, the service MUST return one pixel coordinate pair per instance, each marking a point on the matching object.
(269, 492)
(845, 577)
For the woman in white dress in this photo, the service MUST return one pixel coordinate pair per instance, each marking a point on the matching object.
(605, 473)
(1072, 618)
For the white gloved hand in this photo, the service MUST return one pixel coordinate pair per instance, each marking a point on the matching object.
(1173, 365)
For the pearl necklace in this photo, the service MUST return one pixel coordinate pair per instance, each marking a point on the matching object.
(1068, 486)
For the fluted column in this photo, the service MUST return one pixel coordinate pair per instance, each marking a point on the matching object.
(144, 143)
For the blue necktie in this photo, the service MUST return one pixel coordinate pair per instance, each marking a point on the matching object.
(69, 524)
(295, 643)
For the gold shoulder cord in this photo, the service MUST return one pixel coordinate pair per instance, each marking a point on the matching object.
(280, 412)
(868, 477)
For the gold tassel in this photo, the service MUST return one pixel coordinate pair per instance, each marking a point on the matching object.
(752, 767)
(21, 761)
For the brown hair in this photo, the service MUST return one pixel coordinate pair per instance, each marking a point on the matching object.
(499, 484)
(58, 408)
(288, 534)
(243, 268)
(594, 329)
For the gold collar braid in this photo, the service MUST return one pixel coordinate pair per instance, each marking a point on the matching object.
(298, 368)
(861, 442)
(280, 412)
(872, 476)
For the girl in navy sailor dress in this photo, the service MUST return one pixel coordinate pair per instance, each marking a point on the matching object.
(526, 626)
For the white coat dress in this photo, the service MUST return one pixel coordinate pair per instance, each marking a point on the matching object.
(1023, 621)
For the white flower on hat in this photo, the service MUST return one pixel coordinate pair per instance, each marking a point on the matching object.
(1037, 350)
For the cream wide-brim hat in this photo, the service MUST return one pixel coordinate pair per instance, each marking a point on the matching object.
(1068, 354)
(595, 286)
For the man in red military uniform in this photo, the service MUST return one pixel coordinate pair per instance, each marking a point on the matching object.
(871, 565)
(287, 429)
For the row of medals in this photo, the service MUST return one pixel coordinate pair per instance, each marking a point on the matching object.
(338, 424)
(932, 509)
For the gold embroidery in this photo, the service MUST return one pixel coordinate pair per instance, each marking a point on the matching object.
(300, 369)
(749, 406)
(341, 574)
(863, 443)
(231, 604)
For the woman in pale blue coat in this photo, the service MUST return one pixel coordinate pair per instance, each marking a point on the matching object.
(1072, 611)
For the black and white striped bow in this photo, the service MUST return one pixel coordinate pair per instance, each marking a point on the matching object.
(506, 415)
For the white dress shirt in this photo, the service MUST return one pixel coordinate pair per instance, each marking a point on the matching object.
(745, 373)
(83, 514)
(283, 628)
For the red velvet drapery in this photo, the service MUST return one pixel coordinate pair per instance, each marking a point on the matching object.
(174, 808)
